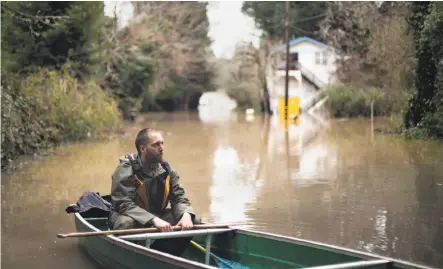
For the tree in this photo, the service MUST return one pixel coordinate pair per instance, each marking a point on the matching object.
(161, 55)
(50, 34)
(376, 40)
(244, 75)
(426, 107)
(180, 32)
(130, 64)
(268, 16)
(258, 61)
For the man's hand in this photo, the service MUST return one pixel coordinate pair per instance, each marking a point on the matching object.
(162, 225)
(186, 222)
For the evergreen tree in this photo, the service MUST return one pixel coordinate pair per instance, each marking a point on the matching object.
(51, 33)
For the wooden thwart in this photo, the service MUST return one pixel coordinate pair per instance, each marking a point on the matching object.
(148, 230)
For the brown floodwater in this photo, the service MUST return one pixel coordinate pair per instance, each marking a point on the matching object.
(331, 181)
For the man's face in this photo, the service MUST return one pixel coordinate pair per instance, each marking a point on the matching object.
(152, 150)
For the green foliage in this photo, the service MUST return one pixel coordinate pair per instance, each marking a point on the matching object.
(136, 74)
(347, 101)
(53, 52)
(375, 41)
(244, 95)
(192, 72)
(242, 77)
(49, 107)
(162, 56)
(426, 107)
(269, 17)
(51, 33)
(416, 133)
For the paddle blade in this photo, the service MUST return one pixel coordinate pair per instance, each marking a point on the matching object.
(227, 264)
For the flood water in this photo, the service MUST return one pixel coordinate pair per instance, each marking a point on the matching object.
(332, 181)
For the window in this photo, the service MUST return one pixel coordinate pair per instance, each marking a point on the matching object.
(317, 57)
(325, 57)
(294, 60)
(321, 57)
(295, 57)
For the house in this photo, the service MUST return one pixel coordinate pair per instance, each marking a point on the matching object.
(312, 67)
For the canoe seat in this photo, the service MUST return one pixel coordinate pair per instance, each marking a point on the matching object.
(352, 265)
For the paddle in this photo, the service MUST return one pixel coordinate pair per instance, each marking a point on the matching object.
(148, 230)
(221, 263)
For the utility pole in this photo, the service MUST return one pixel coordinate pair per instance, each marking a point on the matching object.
(287, 34)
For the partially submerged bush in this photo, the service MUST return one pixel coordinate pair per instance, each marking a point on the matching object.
(50, 107)
(346, 101)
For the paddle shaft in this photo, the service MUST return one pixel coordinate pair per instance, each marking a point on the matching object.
(216, 258)
(146, 230)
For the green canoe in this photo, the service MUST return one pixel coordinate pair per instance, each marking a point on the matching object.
(250, 248)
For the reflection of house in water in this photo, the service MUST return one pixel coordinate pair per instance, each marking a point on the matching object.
(308, 159)
(314, 166)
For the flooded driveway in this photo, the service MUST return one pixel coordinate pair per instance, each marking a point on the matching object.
(334, 182)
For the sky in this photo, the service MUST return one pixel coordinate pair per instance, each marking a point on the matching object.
(228, 25)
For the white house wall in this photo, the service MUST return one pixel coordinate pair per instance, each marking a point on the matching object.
(306, 56)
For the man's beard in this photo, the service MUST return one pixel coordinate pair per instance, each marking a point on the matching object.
(154, 159)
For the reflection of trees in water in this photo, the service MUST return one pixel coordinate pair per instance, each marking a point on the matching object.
(428, 221)
(372, 204)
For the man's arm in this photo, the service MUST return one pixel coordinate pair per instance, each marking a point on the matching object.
(179, 203)
(123, 194)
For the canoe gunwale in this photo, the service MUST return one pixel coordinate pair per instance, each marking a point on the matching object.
(333, 248)
(352, 265)
(151, 253)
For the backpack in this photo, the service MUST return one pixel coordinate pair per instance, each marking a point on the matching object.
(91, 204)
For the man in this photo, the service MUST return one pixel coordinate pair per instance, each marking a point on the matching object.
(142, 186)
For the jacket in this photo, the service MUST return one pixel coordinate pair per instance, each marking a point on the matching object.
(127, 201)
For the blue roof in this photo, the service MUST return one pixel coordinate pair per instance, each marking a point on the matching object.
(302, 39)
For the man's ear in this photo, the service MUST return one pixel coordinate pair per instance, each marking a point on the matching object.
(142, 149)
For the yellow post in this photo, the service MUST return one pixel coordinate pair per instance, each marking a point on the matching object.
(293, 110)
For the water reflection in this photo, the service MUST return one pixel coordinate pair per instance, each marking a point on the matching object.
(350, 188)
(235, 181)
(234, 185)
(322, 180)
(309, 160)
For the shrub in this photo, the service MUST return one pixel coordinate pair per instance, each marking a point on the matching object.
(347, 101)
(48, 107)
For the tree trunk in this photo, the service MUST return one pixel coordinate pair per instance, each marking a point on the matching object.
(266, 101)
(186, 102)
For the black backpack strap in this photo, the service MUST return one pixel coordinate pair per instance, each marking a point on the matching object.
(135, 164)
(136, 167)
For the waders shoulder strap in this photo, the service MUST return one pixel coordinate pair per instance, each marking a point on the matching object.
(140, 186)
